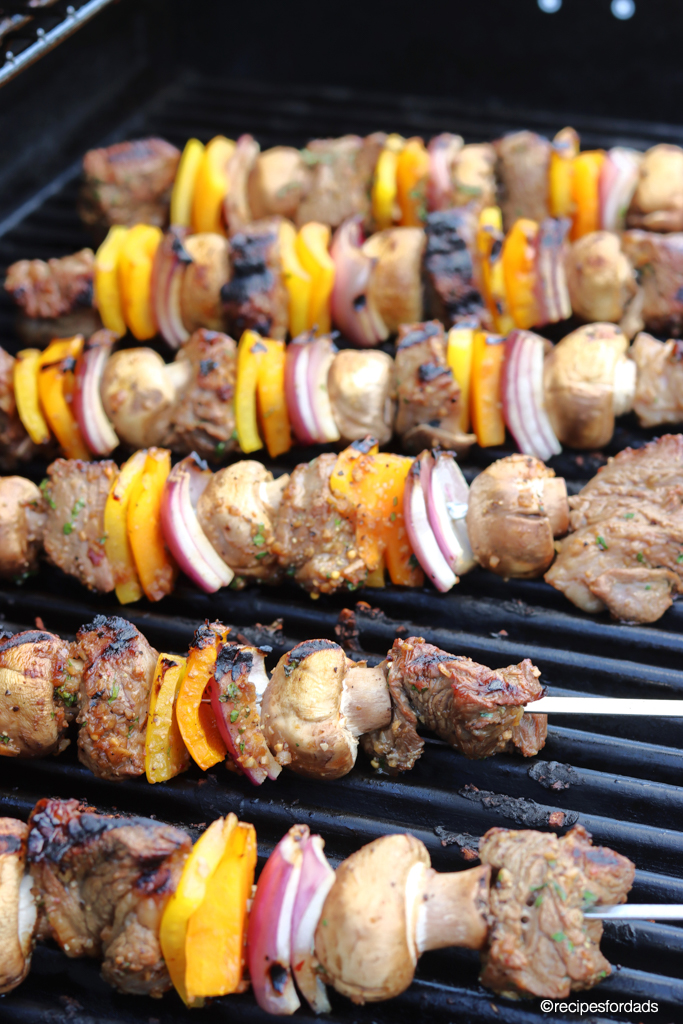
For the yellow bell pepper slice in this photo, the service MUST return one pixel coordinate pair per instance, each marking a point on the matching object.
(136, 259)
(117, 545)
(155, 567)
(272, 401)
(384, 187)
(249, 354)
(55, 388)
(25, 382)
(195, 716)
(184, 184)
(214, 944)
(370, 489)
(204, 858)
(297, 280)
(211, 186)
(486, 405)
(585, 192)
(412, 172)
(561, 173)
(312, 248)
(107, 292)
(165, 753)
(459, 358)
(490, 249)
(519, 269)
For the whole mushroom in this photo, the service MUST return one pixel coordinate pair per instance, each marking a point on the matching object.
(22, 524)
(395, 286)
(517, 507)
(361, 384)
(18, 911)
(139, 391)
(657, 204)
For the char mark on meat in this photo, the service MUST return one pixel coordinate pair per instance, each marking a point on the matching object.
(256, 298)
(452, 293)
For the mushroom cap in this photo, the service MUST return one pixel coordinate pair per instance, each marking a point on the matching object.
(138, 392)
(360, 385)
(657, 203)
(200, 292)
(301, 711)
(578, 381)
(364, 940)
(395, 286)
(600, 277)
(22, 521)
(237, 511)
(17, 908)
(516, 507)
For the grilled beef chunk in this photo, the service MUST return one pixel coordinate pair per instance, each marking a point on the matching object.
(627, 522)
(452, 292)
(129, 183)
(22, 522)
(37, 694)
(105, 882)
(657, 203)
(659, 384)
(523, 163)
(341, 178)
(256, 298)
(53, 288)
(313, 543)
(203, 419)
(658, 261)
(601, 281)
(76, 493)
(426, 390)
(117, 665)
(475, 709)
(540, 943)
(15, 444)
(241, 680)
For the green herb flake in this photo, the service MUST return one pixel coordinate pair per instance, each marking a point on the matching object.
(116, 689)
(486, 714)
(629, 515)
(560, 891)
(69, 698)
(220, 448)
(538, 900)
(640, 557)
(558, 936)
(46, 494)
(233, 691)
(392, 517)
(589, 897)
(337, 522)
(413, 562)
(242, 747)
(131, 727)
(259, 537)
(79, 505)
(680, 558)
(261, 554)
(602, 974)
(395, 501)
(234, 715)
(234, 435)
(601, 542)
(68, 528)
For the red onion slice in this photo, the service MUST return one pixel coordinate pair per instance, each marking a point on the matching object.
(420, 533)
(269, 936)
(443, 153)
(447, 500)
(317, 878)
(352, 311)
(297, 390)
(182, 531)
(93, 422)
(320, 358)
(618, 181)
(168, 270)
(523, 404)
(553, 294)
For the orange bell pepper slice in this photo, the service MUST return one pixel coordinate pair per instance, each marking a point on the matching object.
(312, 248)
(25, 382)
(116, 544)
(519, 270)
(490, 249)
(298, 281)
(202, 861)
(412, 172)
(211, 186)
(184, 184)
(561, 173)
(459, 358)
(196, 719)
(385, 210)
(370, 489)
(165, 753)
(55, 388)
(136, 258)
(488, 355)
(585, 192)
(106, 288)
(155, 567)
(250, 351)
(214, 944)
(272, 402)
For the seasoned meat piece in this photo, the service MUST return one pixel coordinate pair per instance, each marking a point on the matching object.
(19, 910)
(361, 387)
(105, 881)
(426, 391)
(117, 670)
(76, 493)
(659, 384)
(237, 512)
(241, 679)
(540, 943)
(22, 522)
(523, 164)
(256, 298)
(200, 291)
(395, 286)
(396, 747)
(53, 288)
(624, 553)
(278, 182)
(36, 694)
(602, 283)
(474, 180)
(657, 203)
(658, 260)
(15, 444)
(341, 176)
(203, 419)
(129, 183)
(452, 292)
(313, 543)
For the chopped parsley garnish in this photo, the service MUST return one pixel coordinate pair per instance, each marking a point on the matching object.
(220, 448)
(116, 689)
(261, 554)
(601, 542)
(629, 515)
(131, 727)
(392, 517)
(242, 747)
(538, 900)
(4, 738)
(558, 936)
(68, 698)
(46, 494)
(259, 537)
(640, 556)
(234, 715)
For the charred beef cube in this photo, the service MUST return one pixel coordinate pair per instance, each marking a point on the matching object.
(452, 293)
(54, 288)
(204, 416)
(658, 262)
(523, 165)
(540, 943)
(426, 390)
(341, 172)
(129, 183)
(256, 297)
(38, 695)
(105, 881)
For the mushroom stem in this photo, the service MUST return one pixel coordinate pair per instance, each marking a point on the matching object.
(365, 703)
(453, 909)
(556, 505)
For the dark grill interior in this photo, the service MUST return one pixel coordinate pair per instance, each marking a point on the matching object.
(623, 775)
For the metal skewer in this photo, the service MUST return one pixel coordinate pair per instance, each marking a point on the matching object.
(638, 912)
(606, 706)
